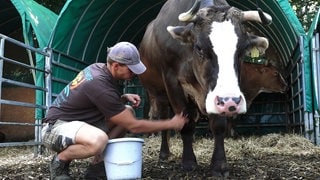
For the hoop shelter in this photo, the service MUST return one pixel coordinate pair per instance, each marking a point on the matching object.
(84, 29)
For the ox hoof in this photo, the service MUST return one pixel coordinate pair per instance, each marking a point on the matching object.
(164, 156)
(220, 170)
(220, 174)
(189, 166)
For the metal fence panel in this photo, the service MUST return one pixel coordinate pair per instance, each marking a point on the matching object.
(17, 87)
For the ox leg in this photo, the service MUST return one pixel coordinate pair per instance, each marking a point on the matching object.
(160, 109)
(164, 149)
(189, 161)
(165, 135)
(219, 166)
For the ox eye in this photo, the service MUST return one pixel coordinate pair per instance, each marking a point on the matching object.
(199, 51)
(197, 47)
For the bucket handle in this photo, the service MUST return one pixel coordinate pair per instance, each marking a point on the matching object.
(122, 163)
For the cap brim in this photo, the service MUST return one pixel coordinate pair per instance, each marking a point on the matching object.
(137, 68)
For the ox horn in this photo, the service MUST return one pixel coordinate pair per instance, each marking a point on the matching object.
(258, 16)
(190, 15)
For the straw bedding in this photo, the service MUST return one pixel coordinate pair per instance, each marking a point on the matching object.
(272, 156)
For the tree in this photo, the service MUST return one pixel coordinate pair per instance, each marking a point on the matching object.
(305, 10)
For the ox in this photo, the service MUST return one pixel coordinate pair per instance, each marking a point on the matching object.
(193, 67)
(255, 79)
(260, 78)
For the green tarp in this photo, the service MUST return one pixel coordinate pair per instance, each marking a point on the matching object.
(315, 27)
(38, 22)
(84, 29)
(35, 19)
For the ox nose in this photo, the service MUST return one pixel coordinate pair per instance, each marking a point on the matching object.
(228, 105)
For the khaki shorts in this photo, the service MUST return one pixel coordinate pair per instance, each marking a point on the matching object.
(59, 136)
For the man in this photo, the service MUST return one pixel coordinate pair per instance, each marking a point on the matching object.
(90, 110)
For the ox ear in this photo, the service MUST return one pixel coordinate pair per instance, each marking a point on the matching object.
(182, 33)
(261, 43)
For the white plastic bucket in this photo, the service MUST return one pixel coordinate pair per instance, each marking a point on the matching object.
(123, 158)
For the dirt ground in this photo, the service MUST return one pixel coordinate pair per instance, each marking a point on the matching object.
(272, 156)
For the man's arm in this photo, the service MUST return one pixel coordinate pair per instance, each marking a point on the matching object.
(128, 121)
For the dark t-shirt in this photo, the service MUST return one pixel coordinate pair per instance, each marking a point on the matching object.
(92, 97)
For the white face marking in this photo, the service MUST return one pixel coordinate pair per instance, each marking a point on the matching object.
(224, 41)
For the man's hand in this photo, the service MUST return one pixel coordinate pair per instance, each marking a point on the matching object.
(134, 99)
(179, 120)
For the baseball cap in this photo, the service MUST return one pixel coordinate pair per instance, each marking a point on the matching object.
(127, 53)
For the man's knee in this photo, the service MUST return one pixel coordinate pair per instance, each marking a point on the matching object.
(93, 137)
(100, 141)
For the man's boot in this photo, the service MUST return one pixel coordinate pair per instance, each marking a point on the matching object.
(59, 170)
(96, 171)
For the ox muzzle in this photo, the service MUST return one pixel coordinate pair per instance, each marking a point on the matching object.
(226, 104)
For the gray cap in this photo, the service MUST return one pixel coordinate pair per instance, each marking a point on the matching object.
(127, 53)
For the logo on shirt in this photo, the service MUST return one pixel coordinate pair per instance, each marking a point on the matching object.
(84, 75)
(77, 81)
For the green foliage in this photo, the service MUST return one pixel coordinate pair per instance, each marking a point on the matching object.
(18, 74)
(305, 10)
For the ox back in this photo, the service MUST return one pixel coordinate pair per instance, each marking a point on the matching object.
(192, 51)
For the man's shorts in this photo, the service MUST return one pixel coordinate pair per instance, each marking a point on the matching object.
(62, 134)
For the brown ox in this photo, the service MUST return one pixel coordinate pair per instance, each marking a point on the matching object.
(256, 79)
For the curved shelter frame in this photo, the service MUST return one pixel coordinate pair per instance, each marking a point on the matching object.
(84, 29)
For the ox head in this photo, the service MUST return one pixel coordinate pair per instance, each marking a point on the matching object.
(218, 41)
(257, 78)
(265, 76)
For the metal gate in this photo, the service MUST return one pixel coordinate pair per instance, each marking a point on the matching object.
(13, 81)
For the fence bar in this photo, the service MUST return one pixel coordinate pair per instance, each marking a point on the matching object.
(19, 124)
(68, 56)
(316, 80)
(1, 65)
(22, 84)
(48, 77)
(29, 143)
(24, 104)
(23, 45)
(20, 64)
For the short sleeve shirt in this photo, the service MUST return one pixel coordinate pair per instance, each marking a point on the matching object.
(92, 97)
